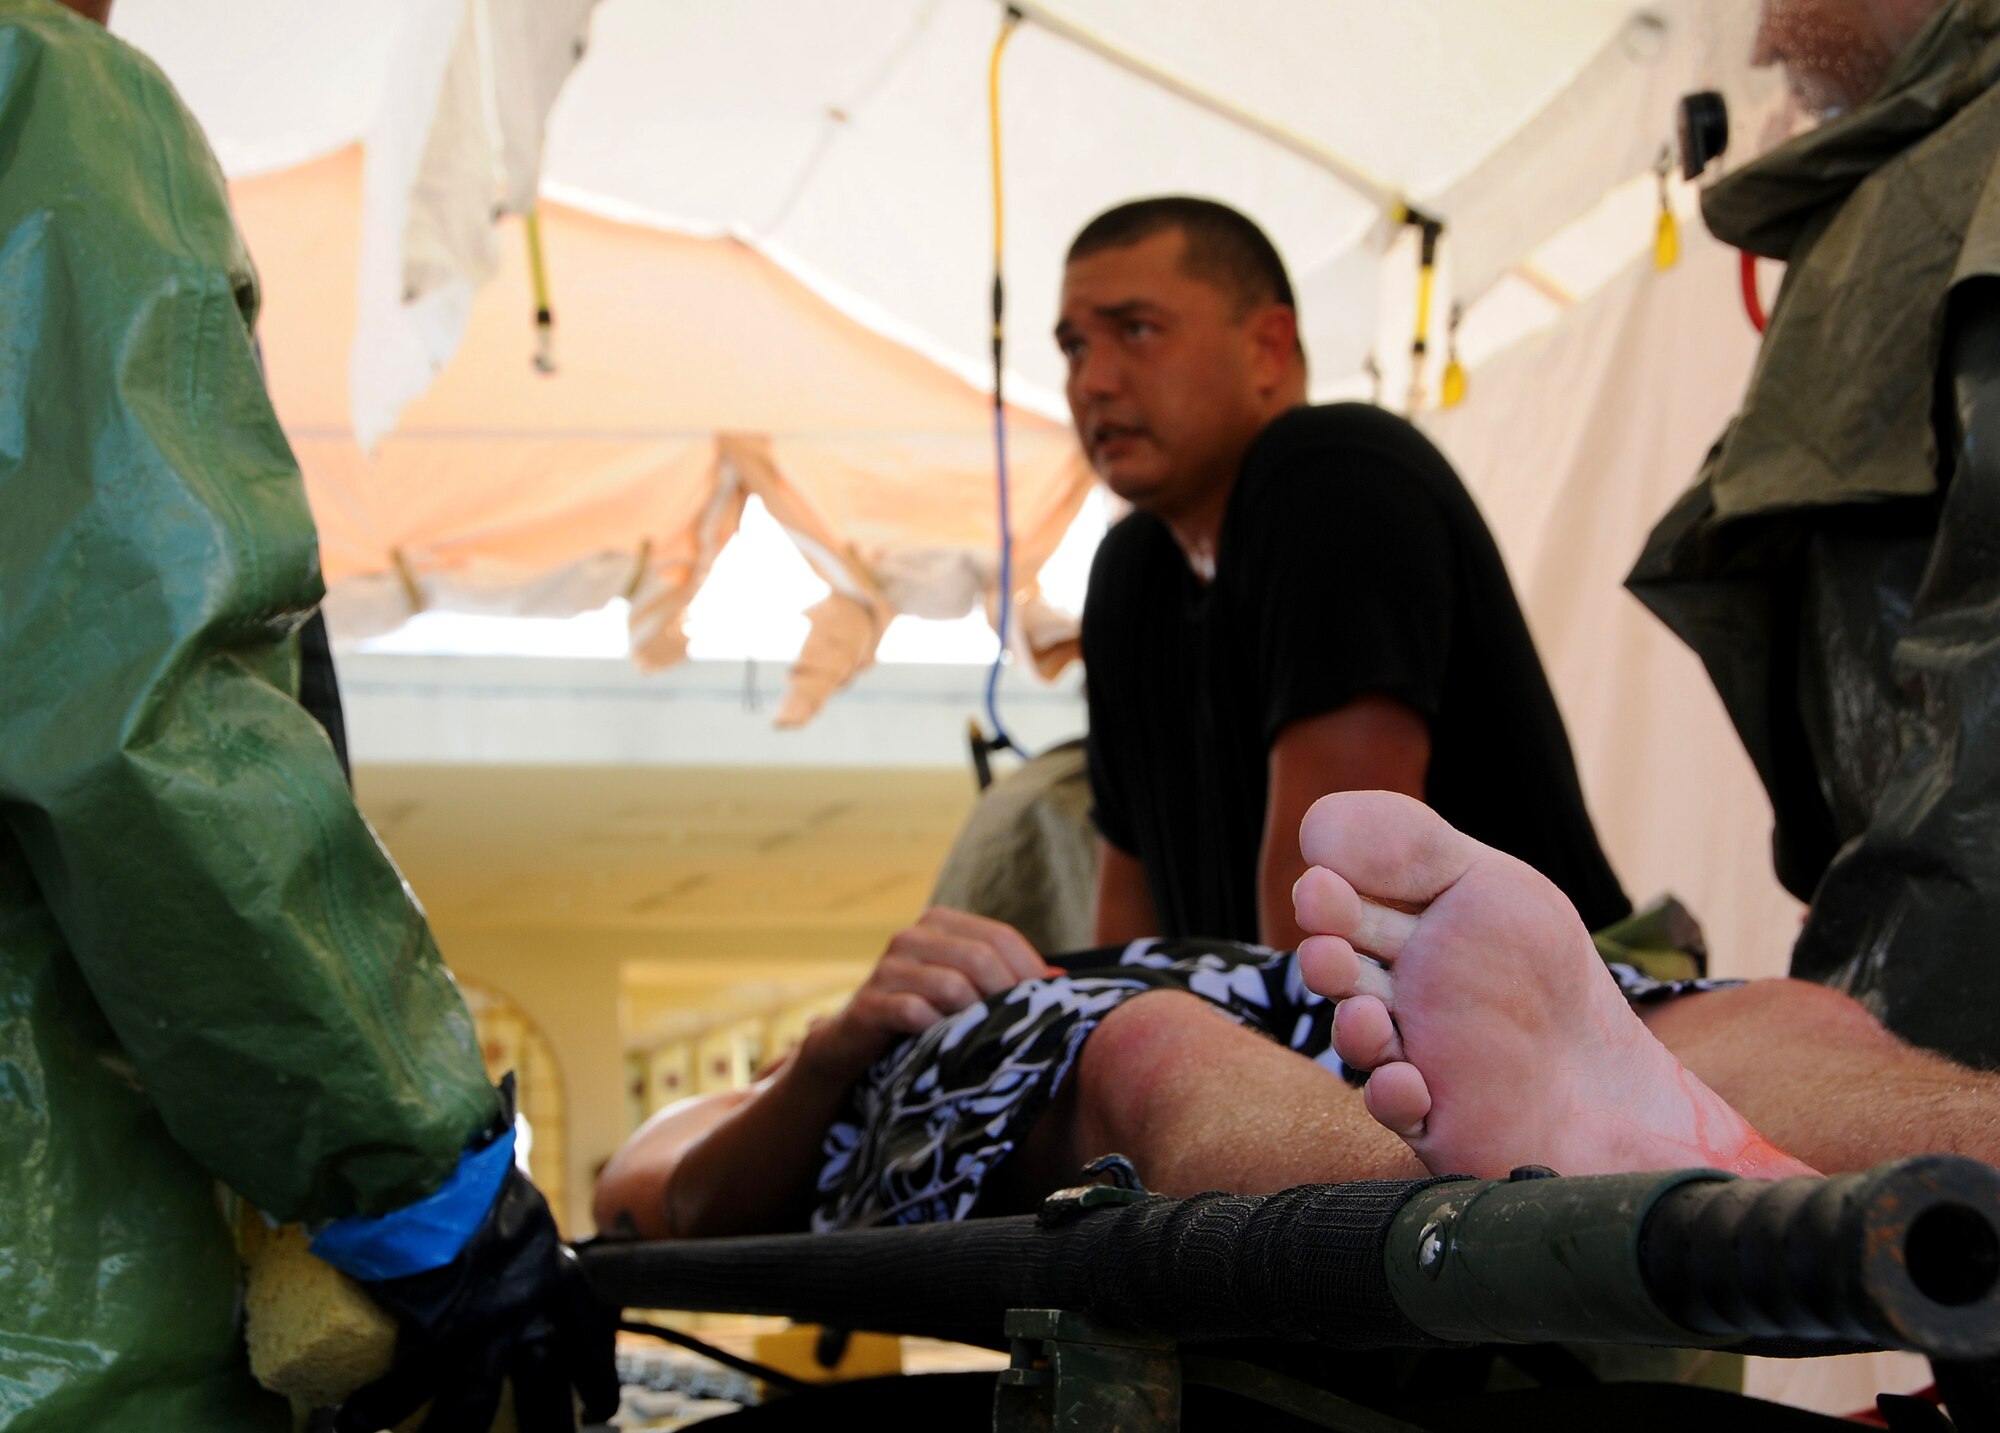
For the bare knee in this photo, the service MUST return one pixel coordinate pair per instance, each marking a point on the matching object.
(1133, 1060)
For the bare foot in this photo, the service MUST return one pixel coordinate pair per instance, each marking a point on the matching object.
(1496, 1036)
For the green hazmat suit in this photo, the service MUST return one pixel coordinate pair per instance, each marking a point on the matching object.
(209, 969)
(1835, 564)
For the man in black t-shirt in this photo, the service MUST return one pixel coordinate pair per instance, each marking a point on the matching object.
(1305, 603)
(1305, 600)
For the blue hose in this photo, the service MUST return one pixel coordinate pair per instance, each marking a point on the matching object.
(1001, 740)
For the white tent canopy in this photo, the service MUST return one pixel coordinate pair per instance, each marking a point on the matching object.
(851, 142)
(854, 154)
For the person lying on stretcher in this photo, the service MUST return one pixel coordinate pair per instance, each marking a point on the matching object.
(968, 1076)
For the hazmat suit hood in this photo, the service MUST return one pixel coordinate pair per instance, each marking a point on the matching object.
(1878, 213)
(1765, 206)
(1803, 556)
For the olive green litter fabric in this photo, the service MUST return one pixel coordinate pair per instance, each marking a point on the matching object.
(209, 969)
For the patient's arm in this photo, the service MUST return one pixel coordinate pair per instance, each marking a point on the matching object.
(735, 1162)
(631, 1191)
(746, 1161)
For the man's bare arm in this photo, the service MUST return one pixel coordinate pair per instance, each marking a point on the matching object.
(1124, 901)
(1374, 743)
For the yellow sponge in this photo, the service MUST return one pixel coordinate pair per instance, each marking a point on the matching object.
(314, 1334)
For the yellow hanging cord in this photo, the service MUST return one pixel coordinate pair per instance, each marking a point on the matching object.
(1453, 392)
(1007, 27)
(538, 275)
(1667, 235)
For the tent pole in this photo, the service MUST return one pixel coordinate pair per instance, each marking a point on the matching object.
(1354, 176)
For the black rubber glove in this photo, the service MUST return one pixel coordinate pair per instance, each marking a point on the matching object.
(512, 1306)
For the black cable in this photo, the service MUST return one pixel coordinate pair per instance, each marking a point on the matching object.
(709, 1351)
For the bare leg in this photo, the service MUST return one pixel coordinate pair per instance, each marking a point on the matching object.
(1496, 1035)
(1818, 1074)
(1197, 1102)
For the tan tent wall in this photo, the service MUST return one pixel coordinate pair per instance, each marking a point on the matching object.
(1574, 442)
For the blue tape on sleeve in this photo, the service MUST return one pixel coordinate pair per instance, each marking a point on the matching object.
(427, 1234)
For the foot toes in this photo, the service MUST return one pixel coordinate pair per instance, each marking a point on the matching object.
(1398, 1098)
(1381, 931)
(1329, 966)
(1388, 847)
(1325, 903)
(1364, 1033)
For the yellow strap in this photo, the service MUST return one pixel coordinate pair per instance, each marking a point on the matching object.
(537, 271)
(1426, 282)
(1667, 241)
(545, 321)
(412, 592)
(1428, 234)
(1451, 391)
(1667, 233)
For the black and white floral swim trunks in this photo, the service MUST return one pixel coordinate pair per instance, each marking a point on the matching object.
(921, 1131)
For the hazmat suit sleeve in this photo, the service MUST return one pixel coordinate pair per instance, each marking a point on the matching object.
(1898, 916)
(269, 977)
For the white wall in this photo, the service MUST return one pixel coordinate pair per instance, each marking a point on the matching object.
(603, 712)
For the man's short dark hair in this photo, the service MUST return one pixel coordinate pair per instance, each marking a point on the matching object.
(1223, 247)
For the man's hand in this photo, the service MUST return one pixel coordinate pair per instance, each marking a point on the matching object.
(935, 968)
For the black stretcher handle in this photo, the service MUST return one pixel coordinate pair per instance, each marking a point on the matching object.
(1300, 1265)
(1904, 1256)
(1907, 1256)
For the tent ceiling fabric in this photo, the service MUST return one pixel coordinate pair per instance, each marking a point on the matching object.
(695, 373)
(856, 153)
(456, 143)
(692, 374)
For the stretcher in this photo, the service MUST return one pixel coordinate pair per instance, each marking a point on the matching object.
(1379, 1307)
